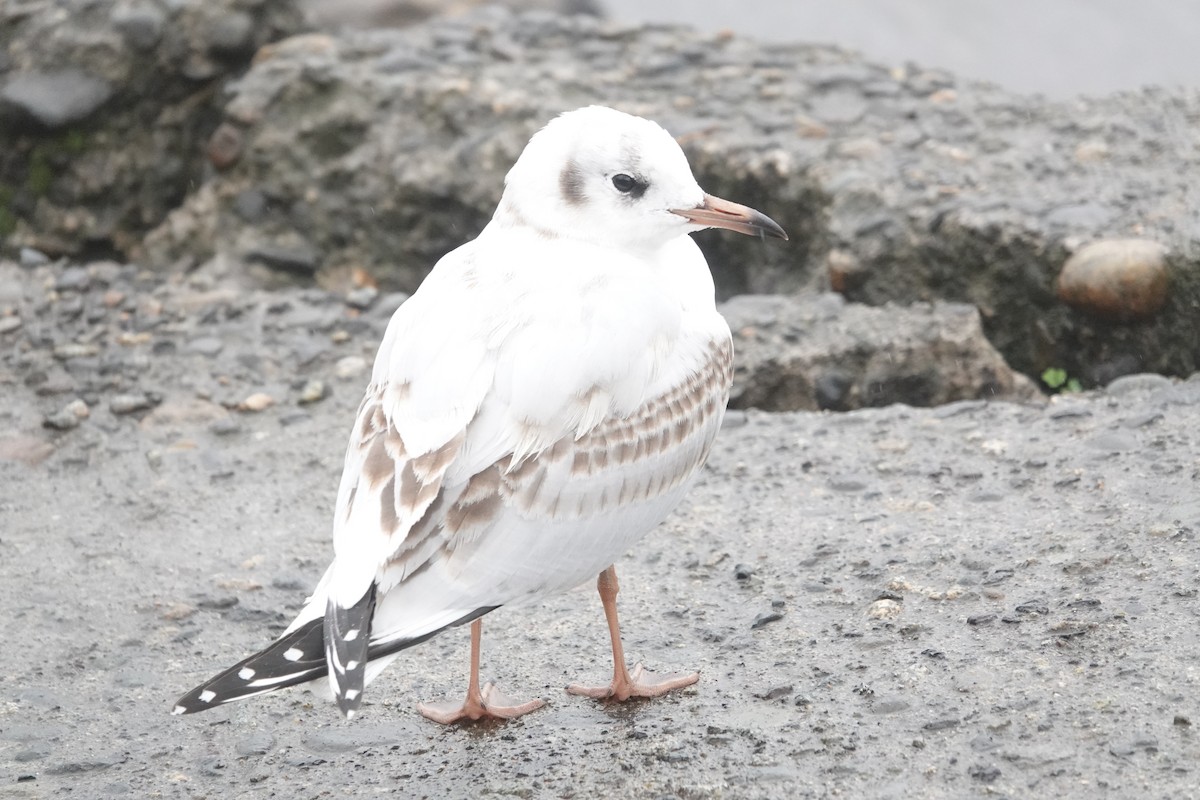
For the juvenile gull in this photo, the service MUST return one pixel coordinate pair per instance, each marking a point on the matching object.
(538, 406)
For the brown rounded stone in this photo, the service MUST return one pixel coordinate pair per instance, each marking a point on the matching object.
(225, 146)
(1116, 279)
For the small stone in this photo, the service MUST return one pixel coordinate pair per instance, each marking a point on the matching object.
(1091, 151)
(225, 427)
(765, 619)
(775, 692)
(743, 572)
(313, 391)
(141, 25)
(362, 297)
(9, 324)
(847, 483)
(259, 401)
(177, 611)
(349, 366)
(1140, 382)
(941, 724)
(240, 585)
(250, 204)
(69, 350)
(884, 609)
(181, 413)
(231, 33)
(206, 346)
(846, 271)
(339, 336)
(1116, 279)
(131, 403)
(298, 258)
(134, 338)
(224, 146)
(33, 258)
(58, 98)
(68, 417)
(74, 279)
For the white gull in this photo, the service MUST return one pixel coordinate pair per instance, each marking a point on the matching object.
(538, 406)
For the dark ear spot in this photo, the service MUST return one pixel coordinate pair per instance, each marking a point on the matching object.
(570, 183)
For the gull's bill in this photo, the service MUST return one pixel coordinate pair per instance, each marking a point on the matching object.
(717, 213)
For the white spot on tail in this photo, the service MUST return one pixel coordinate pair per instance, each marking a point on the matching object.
(246, 673)
(178, 710)
(351, 635)
(351, 694)
(351, 665)
(293, 654)
(207, 696)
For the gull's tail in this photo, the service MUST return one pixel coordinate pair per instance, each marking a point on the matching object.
(304, 654)
(296, 657)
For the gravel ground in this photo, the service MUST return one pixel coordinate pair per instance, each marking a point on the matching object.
(966, 600)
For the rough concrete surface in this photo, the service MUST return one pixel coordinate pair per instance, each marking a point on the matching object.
(976, 599)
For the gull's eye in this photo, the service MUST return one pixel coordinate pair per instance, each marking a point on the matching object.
(627, 184)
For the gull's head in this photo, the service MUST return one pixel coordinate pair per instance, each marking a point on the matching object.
(603, 176)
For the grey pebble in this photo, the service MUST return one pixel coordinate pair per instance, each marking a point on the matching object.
(231, 33)
(313, 391)
(206, 345)
(31, 257)
(141, 25)
(250, 205)
(941, 724)
(1131, 746)
(766, 618)
(362, 297)
(67, 417)
(131, 403)
(73, 279)
(1144, 382)
(847, 483)
(9, 324)
(56, 98)
(226, 426)
(69, 350)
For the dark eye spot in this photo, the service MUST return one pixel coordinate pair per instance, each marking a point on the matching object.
(627, 184)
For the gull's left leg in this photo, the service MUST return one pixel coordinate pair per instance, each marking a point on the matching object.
(488, 702)
(626, 683)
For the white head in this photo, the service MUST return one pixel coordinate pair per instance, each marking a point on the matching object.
(612, 178)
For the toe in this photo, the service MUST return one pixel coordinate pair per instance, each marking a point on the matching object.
(497, 704)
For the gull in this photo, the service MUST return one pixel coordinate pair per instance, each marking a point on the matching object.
(539, 405)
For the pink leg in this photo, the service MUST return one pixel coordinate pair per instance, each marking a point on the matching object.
(488, 703)
(626, 683)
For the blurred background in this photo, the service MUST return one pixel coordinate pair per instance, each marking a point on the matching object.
(1060, 48)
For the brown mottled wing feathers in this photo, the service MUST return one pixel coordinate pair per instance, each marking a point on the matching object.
(629, 459)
